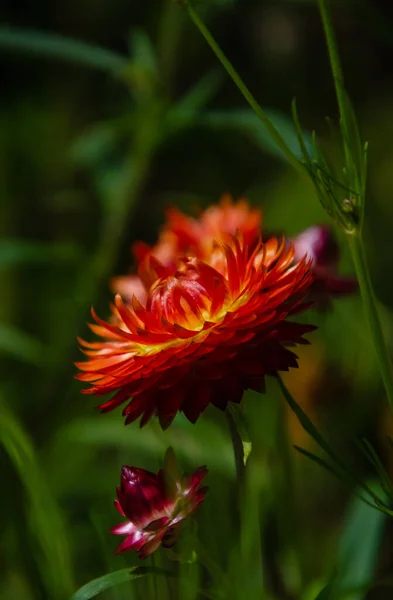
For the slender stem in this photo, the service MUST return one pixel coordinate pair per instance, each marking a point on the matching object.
(334, 56)
(370, 307)
(252, 573)
(238, 449)
(249, 509)
(238, 81)
(289, 516)
(335, 64)
(354, 152)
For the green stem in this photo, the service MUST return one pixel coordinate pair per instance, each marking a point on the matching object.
(251, 580)
(338, 78)
(355, 241)
(370, 307)
(238, 81)
(289, 513)
(335, 64)
(333, 55)
(238, 449)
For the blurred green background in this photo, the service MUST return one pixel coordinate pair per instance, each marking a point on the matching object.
(93, 147)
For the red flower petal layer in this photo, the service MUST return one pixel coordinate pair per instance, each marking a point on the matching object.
(205, 334)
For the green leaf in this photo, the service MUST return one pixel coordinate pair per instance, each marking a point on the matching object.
(96, 586)
(48, 530)
(202, 92)
(171, 472)
(143, 70)
(310, 428)
(300, 135)
(53, 46)
(357, 556)
(20, 345)
(326, 592)
(245, 121)
(186, 109)
(322, 463)
(142, 50)
(94, 145)
(15, 251)
(358, 550)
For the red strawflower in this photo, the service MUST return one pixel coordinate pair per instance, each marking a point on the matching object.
(206, 333)
(155, 507)
(320, 245)
(183, 235)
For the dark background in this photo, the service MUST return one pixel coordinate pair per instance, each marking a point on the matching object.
(88, 163)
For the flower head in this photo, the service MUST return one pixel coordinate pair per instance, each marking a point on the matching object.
(207, 331)
(155, 506)
(183, 235)
(320, 245)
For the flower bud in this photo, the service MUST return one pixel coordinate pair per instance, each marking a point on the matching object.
(155, 506)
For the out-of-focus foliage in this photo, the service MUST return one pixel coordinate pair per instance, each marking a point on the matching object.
(89, 159)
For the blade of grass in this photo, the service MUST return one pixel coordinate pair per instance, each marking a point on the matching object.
(44, 517)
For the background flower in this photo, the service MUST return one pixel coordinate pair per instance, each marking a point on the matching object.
(318, 242)
(183, 235)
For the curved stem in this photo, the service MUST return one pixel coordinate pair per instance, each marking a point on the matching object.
(238, 81)
(370, 307)
(335, 64)
(238, 449)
